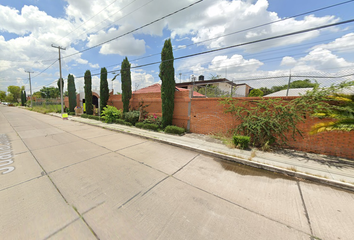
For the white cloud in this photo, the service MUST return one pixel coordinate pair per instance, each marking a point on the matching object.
(94, 65)
(225, 17)
(342, 44)
(288, 61)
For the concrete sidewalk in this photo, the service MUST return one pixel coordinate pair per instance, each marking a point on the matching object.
(328, 170)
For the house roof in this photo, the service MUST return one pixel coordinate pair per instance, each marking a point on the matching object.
(205, 82)
(157, 88)
(293, 92)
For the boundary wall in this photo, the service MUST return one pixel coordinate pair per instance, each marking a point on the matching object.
(207, 117)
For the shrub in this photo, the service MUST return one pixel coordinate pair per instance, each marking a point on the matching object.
(93, 117)
(150, 126)
(121, 121)
(175, 130)
(256, 93)
(84, 115)
(132, 117)
(154, 119)
(110, 114)
(241, 141)
(72, 113)
(139, 125)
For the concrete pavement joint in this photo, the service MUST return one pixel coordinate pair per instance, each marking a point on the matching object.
(55, 186)
(62, 228)
(247, 209)
(83, 213)
(28, 180)
(237, 159)
(83, 219)
(155, 185)
(186, 164)
(141, 163)
(129, 200)
(305, 208)
(79, 162)
(130, 146)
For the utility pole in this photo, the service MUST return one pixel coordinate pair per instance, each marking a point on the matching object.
(29, 78)
(287, 91)
(61, 82)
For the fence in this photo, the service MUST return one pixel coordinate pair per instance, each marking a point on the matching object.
(45, 101)
(282, 85)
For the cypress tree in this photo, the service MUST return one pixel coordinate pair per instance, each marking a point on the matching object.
(126, 84)
(71, 93)
(60, 81)
(104, 91)
(22, 99)
(167, 76)
(88, 92)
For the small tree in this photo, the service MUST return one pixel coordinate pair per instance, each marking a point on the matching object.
(88, 92)
(22, 101)
(24, 98)
(60, 84)
(104, 91)
(167, 76)
(126, 84)
(71, 93)
(256, 93)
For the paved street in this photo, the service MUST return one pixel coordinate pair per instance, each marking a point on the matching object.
(68, 180)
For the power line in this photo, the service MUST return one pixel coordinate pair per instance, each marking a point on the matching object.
(46, 68)
(90, 19)
(243, 30)
(136, 29)
(121, 17)
(241, 44)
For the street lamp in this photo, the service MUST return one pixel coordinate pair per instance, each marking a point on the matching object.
(114, 78)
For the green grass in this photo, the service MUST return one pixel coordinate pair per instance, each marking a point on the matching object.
(46, 108)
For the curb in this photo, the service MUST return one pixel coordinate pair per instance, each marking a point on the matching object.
(251, 163)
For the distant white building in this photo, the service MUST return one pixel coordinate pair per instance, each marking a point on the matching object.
(293, 92)
(225, 85)
(296, 92)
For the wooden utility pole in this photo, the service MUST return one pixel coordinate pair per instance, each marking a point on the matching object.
(29, 78)
(61, 82)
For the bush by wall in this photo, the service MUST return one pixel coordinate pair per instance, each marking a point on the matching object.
(174, 130)
(132, 117)
(121, 121)
(139, 125)
(110, 114)
(151, 126)
(84, 115)
(241, 141)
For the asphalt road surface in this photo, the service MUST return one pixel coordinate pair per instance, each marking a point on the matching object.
(61, 179)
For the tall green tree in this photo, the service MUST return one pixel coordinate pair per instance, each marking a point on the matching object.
(71, 93)
(167, 76)
(15, 91)
(49, 92)
(22, 99)
(2, 95)
(126, 84)
(88, 92)
(61, 88)
(104, 91)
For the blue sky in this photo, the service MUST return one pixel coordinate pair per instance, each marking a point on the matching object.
(30, 27)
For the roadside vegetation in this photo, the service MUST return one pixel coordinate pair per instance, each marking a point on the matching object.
(269, 123)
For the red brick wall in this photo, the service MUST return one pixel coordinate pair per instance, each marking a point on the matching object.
(208, 117)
